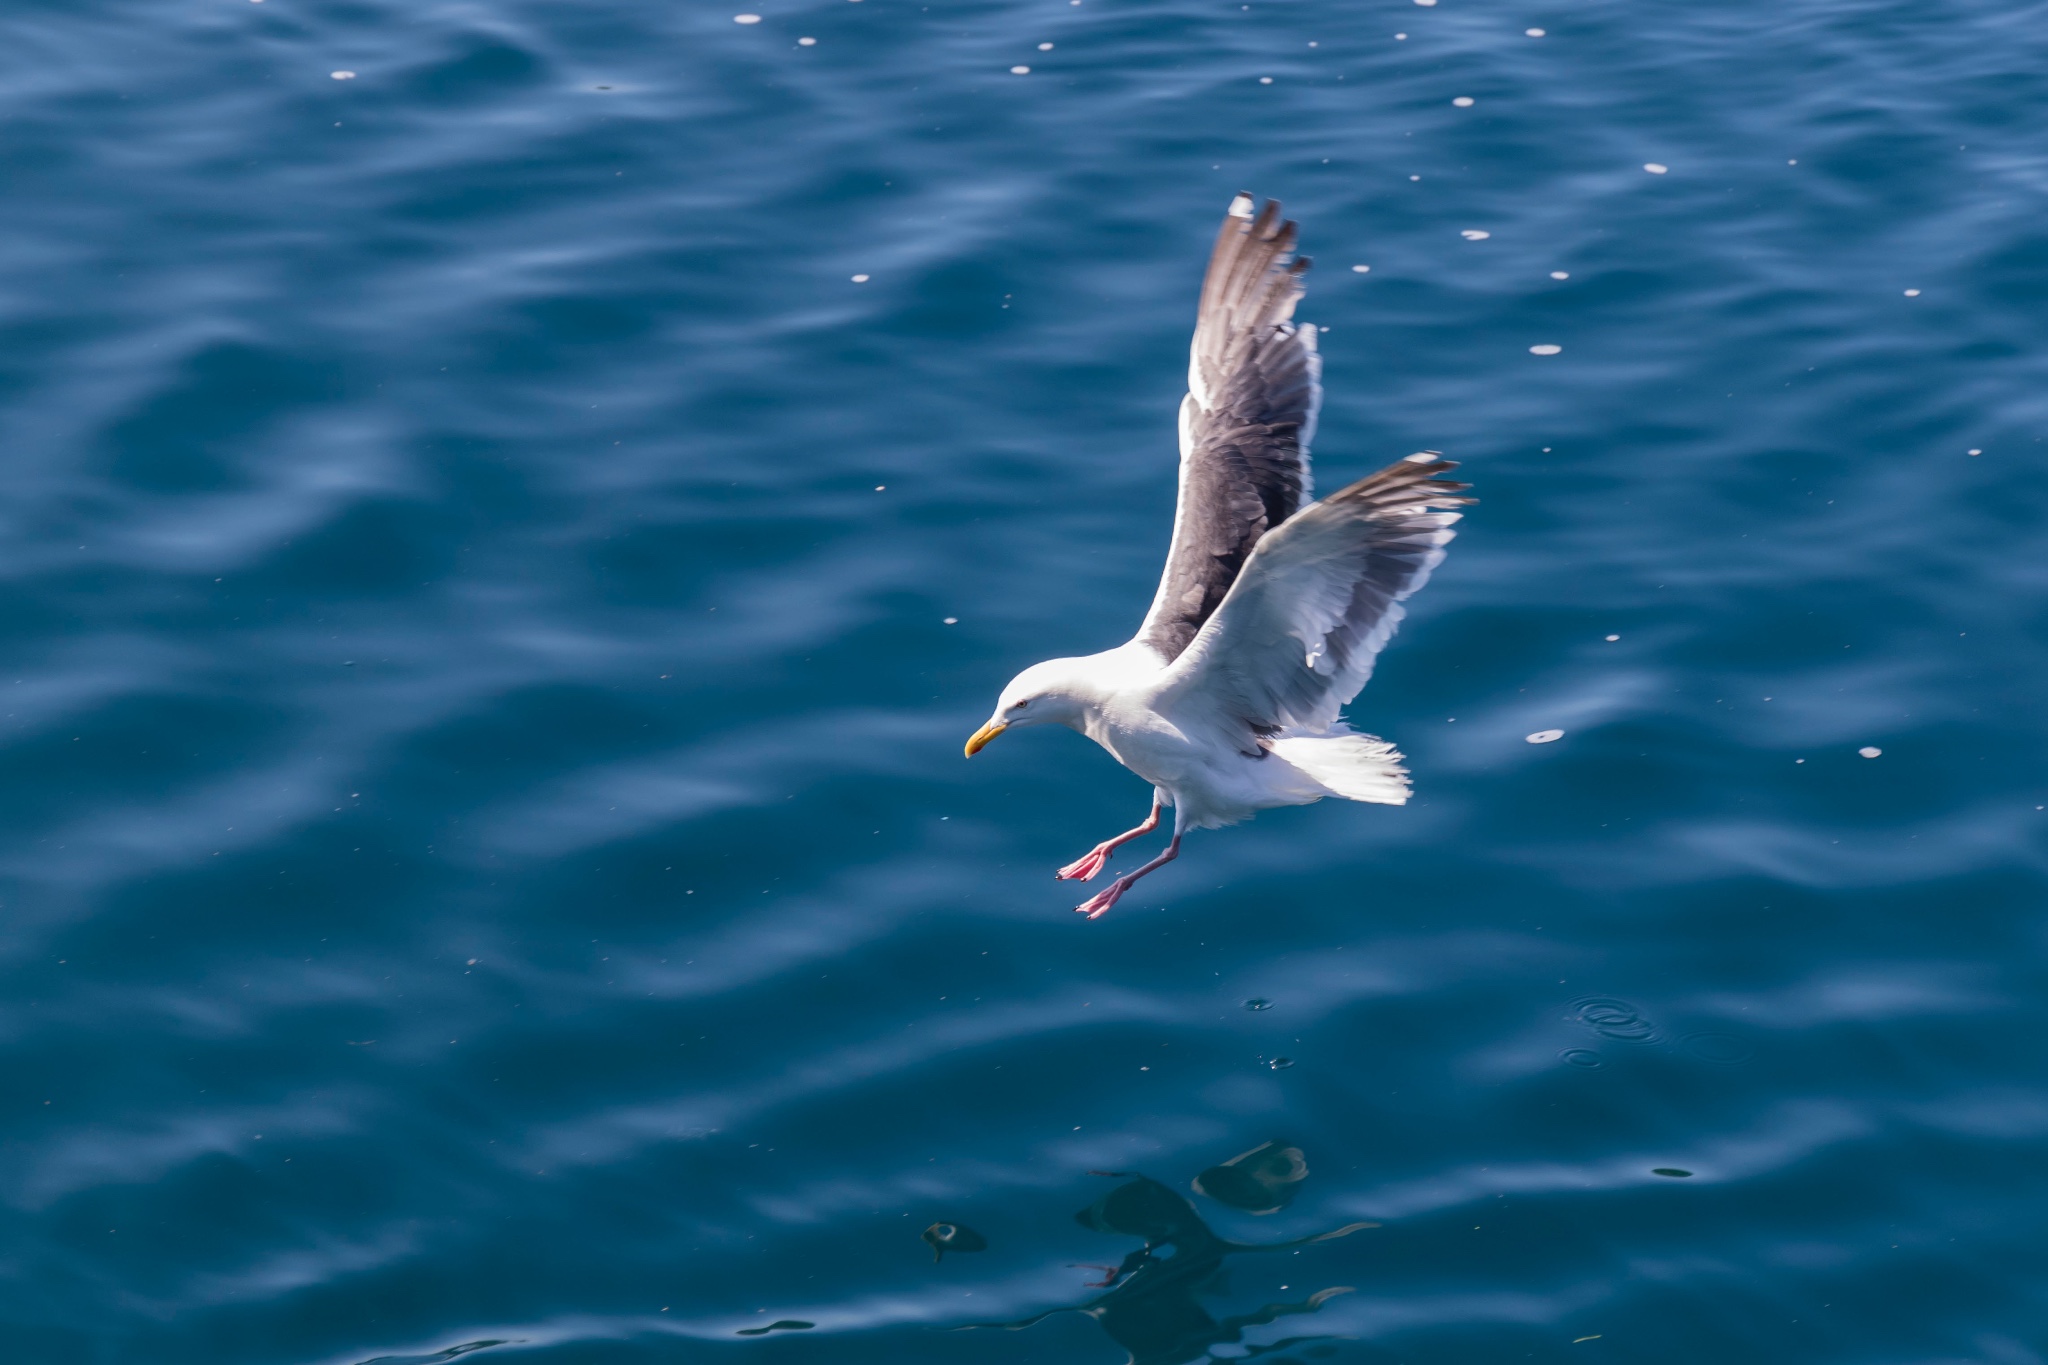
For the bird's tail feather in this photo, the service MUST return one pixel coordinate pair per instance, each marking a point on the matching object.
(1354, 766)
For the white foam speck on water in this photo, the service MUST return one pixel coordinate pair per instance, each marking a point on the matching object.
(1425, 3)
(1545, 349)
(1045, 47)
(1534, 32)
(343, 75)
(952, 620)
(1400, 37)
(746, 18)
(1912, 293)
(1870, 751)
(1544, 736)
(807, 42)
(1973, 452)
(1612, 638)
(1265, 80)
(860, 279)
(1560, 274)
(1020, 71)
(1469, 234)
(1360, 269)
(1463, 101)
(1656, 168)
(1793, 162)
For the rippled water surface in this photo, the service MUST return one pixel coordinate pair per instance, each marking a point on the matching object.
(514, 506)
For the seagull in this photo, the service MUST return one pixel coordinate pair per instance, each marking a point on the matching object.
(1272, 607)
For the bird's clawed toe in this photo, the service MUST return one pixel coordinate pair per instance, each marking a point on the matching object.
(1086, 866)
(1097, 905)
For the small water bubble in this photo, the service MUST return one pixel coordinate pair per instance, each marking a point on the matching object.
(1281, 1063)
(1020, 71)
(1362, 269)
(1912, 293)
(807, 42)
(1533, 32)
(1258, 1002)
(1469, 234)
(1973, 452)
(746, 18)
(1560, 274)
(1546, 348)
(343, 75)
(1656, 168)
(1463, 101)
(1612, 638)
(1265, 80)
(1045, 47)
(860, 279)
(1544, 737)
(1870, 751)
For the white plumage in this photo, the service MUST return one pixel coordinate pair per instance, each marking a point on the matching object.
(1270, 612)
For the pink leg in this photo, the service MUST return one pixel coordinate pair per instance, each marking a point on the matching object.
(1090, 863)
(1098, 904)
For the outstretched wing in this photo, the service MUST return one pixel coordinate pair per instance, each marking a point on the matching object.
(1245, 425)
(1297, 635)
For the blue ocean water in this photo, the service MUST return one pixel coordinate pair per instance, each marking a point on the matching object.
(513, 508)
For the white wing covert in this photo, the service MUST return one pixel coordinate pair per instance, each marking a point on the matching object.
(1296, 636)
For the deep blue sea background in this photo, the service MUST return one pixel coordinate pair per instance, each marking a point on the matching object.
(492, 607)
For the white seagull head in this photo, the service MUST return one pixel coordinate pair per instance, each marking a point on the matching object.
(1056, 692)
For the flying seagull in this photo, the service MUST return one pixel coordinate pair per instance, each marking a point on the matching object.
(1272, 607)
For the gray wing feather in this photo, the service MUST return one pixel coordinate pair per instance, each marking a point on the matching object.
(1296, 637)
(1253, 390)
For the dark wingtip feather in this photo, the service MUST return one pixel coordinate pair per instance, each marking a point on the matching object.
(1409, 481)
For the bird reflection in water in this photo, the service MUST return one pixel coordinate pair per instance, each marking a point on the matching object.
(1153, 1308)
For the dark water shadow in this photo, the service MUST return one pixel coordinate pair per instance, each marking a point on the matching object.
(1154, 1305)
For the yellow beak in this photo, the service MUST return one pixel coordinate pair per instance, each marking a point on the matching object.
(979, 740)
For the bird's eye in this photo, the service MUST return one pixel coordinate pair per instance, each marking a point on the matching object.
(1020, 705)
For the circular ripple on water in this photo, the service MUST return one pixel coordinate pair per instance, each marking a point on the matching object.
(1611, 1018)
(1582, 1057)
(1724, 1048)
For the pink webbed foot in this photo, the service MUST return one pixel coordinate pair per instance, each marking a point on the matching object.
(1097, 905)
(1086, 866)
